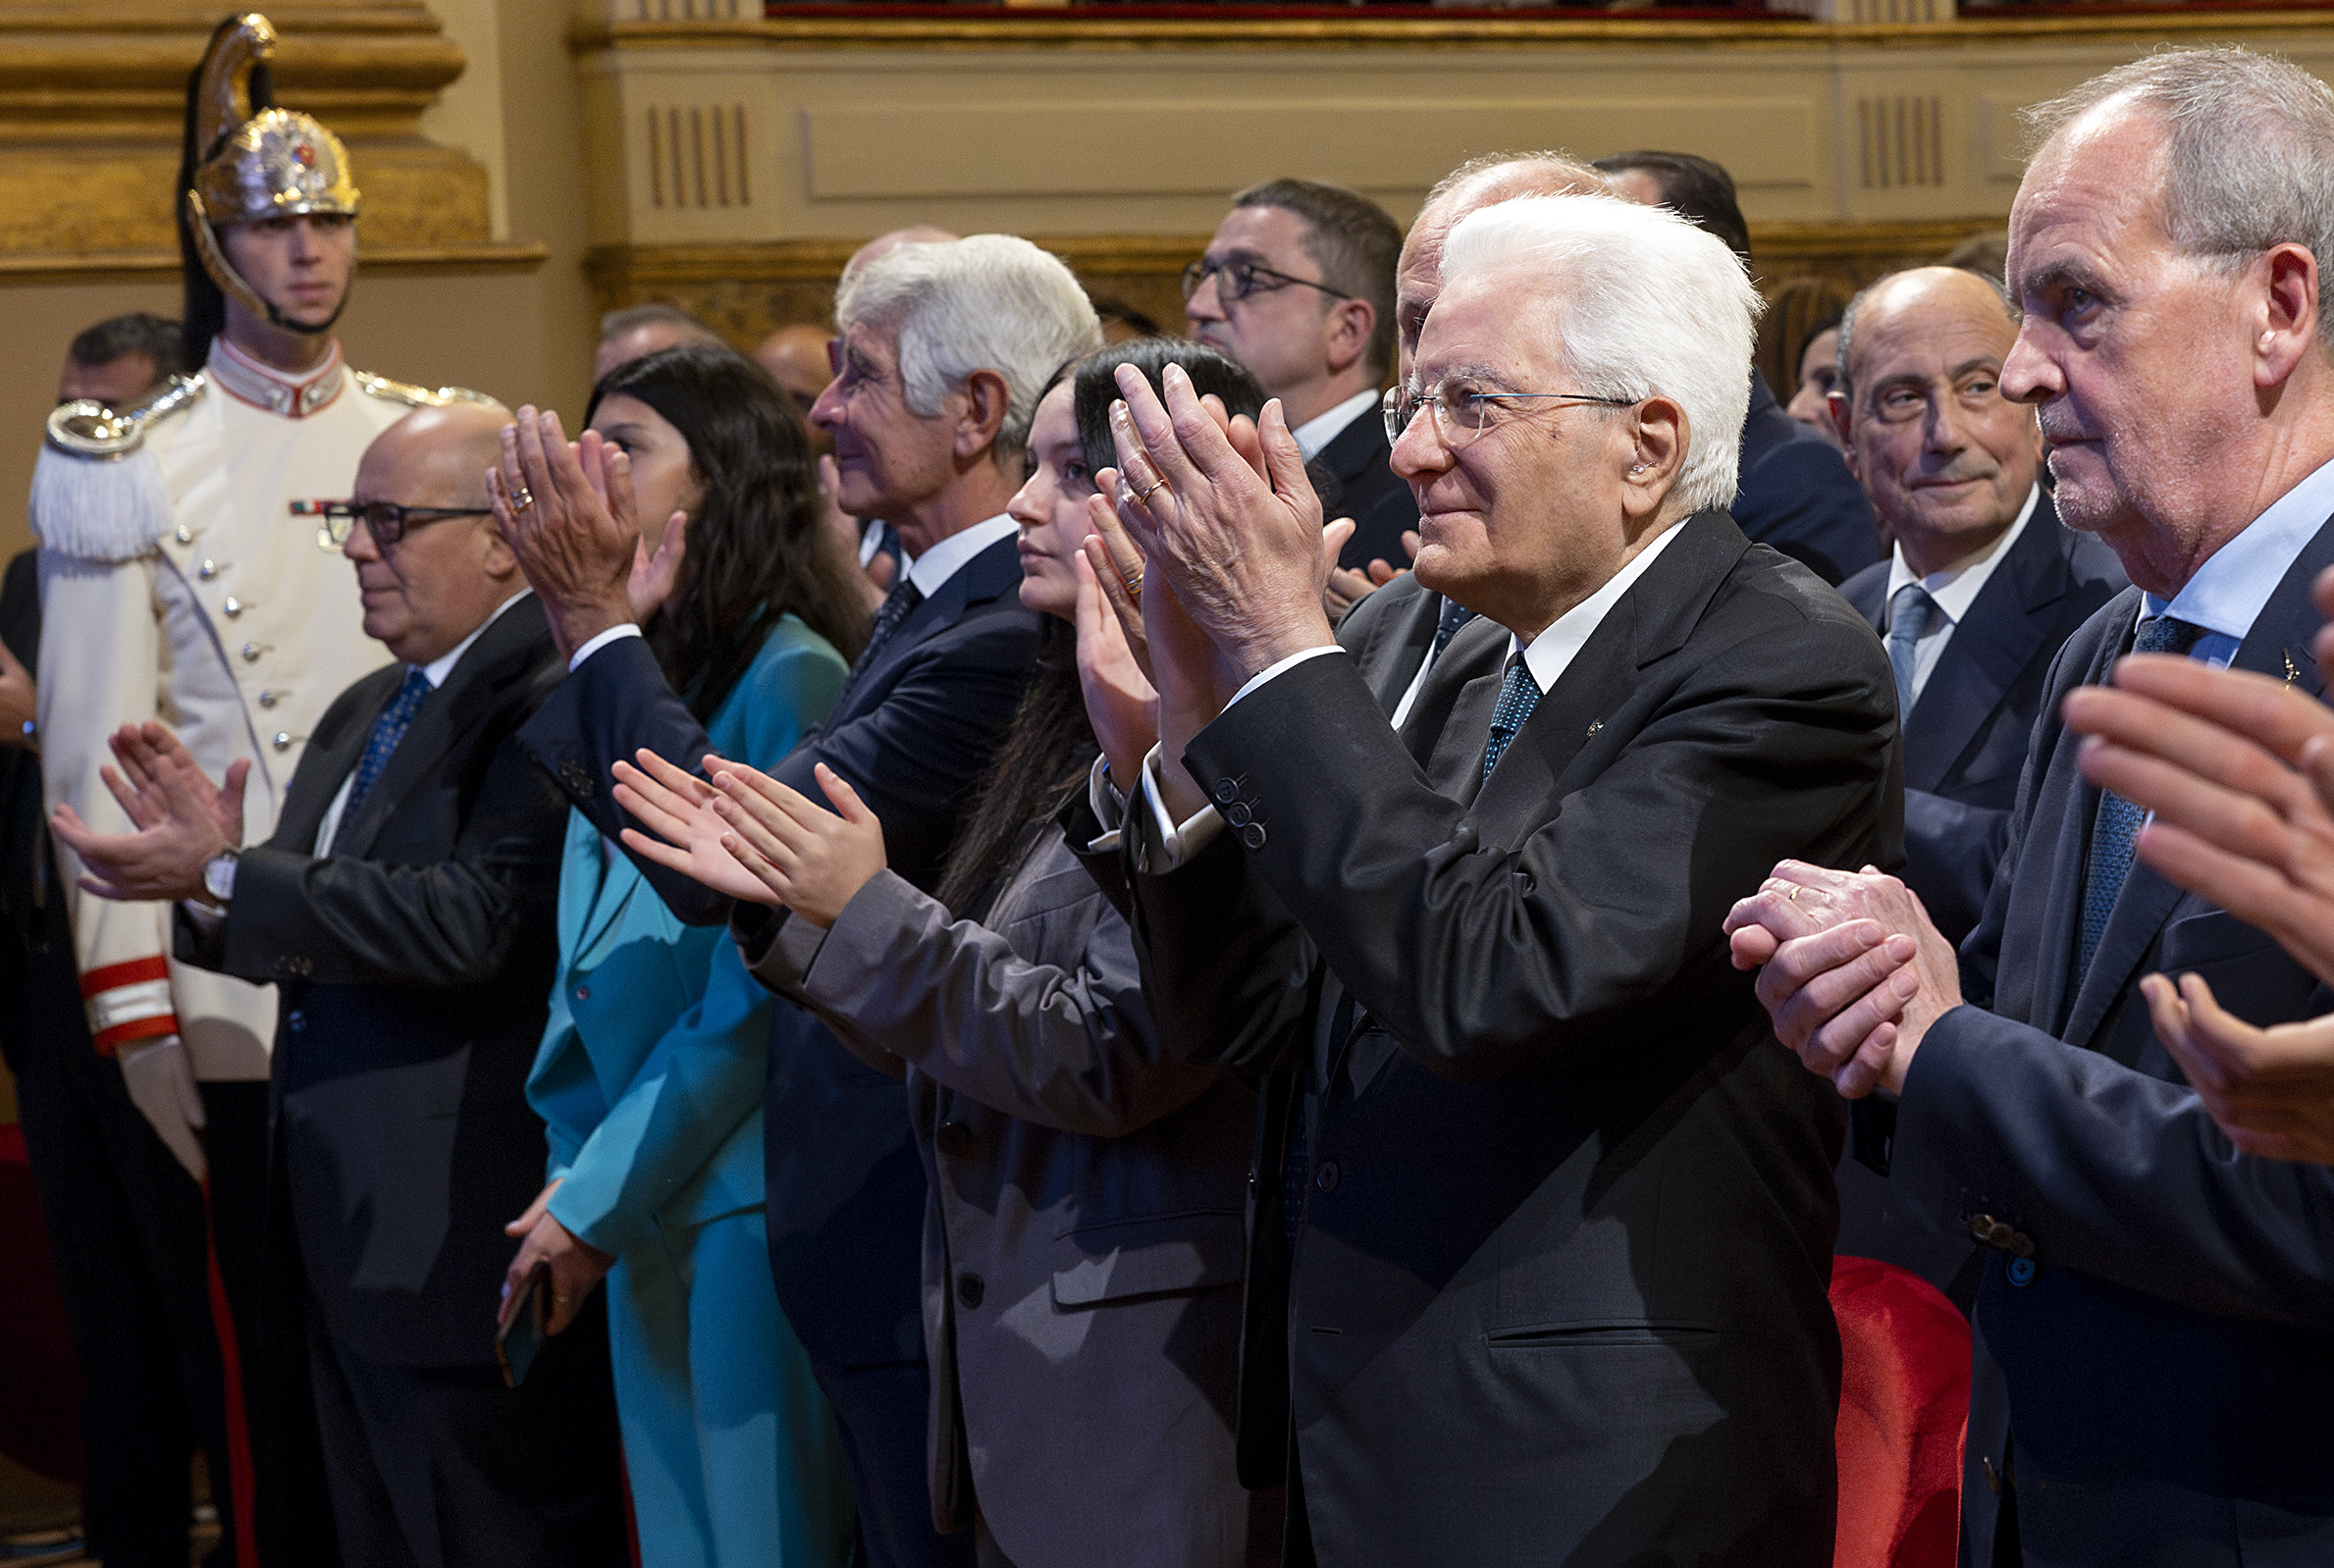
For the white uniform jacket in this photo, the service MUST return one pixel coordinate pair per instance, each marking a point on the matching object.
(175, 584)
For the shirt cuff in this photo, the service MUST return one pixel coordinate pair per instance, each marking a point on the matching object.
(1282, 667)
(613, 633)
(1169, 845)
(1109, 807)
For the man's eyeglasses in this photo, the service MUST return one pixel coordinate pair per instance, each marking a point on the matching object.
(385, 520)
(1243, 280)
(1462, 409)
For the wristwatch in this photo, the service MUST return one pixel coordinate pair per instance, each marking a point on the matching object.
(217, 877)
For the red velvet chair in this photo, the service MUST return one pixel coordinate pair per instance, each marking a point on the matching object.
(40, 1387)
(1903, 1407)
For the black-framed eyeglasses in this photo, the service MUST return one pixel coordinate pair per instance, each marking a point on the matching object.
(385, 520)
(1462, 407)
(1241, 279)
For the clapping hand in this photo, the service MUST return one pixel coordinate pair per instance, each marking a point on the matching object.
(181, 820)
(567, 513)
(812, 859)
(684, 832)
(1120, 701)
(2271, 1091)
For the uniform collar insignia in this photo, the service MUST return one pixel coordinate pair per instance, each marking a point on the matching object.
(247, 380)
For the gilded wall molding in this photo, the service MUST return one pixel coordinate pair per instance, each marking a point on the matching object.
(92, 99)
(1054, 30)
(142, 265)
(744, 290)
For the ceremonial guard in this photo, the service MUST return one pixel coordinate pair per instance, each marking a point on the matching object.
(179, 584)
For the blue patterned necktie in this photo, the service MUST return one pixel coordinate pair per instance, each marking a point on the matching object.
(1519, 693)
(1910, 610)
(2118, 821)
(1454, 617)
(388, 729)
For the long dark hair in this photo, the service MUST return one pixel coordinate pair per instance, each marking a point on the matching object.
(758, 546)
(1045, 756)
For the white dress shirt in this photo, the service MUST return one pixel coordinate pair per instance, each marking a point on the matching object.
(1953, 591)
(1322, 428)
(2226, 594)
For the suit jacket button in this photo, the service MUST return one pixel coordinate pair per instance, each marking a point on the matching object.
(2022, 1272)
(281, 741)
(297, 1021)
(270, 699)
(251, 652)
(1226, 791)
(969, 1290)
(208, 569)
(1237, 816)
(583, 993)
(1326, 1176)
(1252, 835)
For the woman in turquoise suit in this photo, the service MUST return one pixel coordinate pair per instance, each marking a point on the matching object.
(650, 1075)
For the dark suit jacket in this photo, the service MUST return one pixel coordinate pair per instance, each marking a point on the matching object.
(913, 733)
(1081, 1249)
(1388, 633)
(1965, 739)
(1368, 490)
(31, 909)
(413, 964)
(1797, 493)
(2169, 1344)
(1560, 1290)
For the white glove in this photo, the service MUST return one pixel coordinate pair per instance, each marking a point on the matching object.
(160, 1079)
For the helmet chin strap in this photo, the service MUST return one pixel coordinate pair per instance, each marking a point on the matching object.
(231, 283)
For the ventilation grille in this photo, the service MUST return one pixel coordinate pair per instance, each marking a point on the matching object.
(696, 156)
(1901, 141)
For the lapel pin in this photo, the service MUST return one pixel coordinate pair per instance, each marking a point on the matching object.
(1593, 727)
(2291, 673)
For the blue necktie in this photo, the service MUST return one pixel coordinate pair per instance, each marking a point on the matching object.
(2118, 821)
(1519, 693)
(388, 729)
(898, 605)
(1454, 617)
(1910, 610)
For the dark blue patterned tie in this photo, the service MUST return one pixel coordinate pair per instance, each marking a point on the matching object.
(2118, 821)
(388, 729)
(1454, 617)
(1519, 693)
(898, 605)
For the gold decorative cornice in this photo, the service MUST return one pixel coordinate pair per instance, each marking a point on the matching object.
(1054, 29)
(139, 265)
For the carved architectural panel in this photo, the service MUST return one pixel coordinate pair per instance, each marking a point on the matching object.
(92, 98)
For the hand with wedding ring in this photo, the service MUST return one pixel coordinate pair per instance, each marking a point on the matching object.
(1236, 531)
(576, 1266)
(1850, 967)
(566, 512)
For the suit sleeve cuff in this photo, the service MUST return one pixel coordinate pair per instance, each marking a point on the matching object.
(1282, 667)
(1109, 807)
(612, 635)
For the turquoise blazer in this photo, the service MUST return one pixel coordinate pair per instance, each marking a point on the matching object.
(649, 1079)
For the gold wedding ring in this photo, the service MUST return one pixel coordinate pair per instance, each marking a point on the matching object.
(1793, 895)
(1133, 584)
(522, 498)
(1144, 494)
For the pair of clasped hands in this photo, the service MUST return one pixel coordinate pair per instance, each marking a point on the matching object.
(2238, 769)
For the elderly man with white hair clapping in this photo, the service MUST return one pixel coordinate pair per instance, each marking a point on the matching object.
(1557, 1219)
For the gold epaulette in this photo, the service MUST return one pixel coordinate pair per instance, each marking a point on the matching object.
(88, 428)
(412, 397)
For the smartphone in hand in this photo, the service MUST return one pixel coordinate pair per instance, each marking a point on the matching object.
(519, 1336)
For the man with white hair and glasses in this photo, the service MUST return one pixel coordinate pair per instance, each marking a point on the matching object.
(1561, 1220)
(946, 347)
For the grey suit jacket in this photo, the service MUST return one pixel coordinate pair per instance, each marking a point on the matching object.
(1082, 1236)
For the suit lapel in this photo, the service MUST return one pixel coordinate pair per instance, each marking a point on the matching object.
(323, 769)
(1451, 721)
(1352, 450)
(1406, 639)
(994, 571)
(1988, 652)
(445, 715)
(2277, 646)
